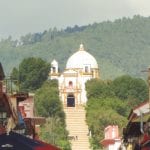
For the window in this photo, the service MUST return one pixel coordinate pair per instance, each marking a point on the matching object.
(54, 69)
(70, 84)
(86, 69)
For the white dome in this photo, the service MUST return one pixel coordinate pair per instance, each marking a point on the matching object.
(80, 59)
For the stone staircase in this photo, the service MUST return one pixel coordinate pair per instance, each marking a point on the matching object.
(78, 130)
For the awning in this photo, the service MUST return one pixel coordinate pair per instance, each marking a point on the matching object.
(16, 141)
(132, 129)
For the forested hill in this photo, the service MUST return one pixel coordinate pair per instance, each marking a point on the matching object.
(120, 47)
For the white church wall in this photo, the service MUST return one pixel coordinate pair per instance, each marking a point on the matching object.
(79, 69)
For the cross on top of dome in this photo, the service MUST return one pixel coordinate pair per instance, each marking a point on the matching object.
(81, 47)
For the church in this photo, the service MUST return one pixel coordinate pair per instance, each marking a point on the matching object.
(80, 67)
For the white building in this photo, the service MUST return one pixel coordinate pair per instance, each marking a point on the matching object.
(112, 141)
(80, 67)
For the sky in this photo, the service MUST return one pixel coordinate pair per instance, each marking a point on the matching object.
(19, 17)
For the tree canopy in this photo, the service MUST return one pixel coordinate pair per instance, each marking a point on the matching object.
(133, 89)
(103, 112)
(32, 72)
(99, 89)
(47, 100)
(48, 105)
(110, 103)
(120, 47)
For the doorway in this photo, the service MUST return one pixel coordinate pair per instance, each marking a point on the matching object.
(70, 100)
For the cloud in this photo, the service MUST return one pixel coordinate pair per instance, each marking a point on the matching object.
(141, 7)
(19, 17)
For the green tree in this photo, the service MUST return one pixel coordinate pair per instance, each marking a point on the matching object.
(48, 105)
(110, 102)
(47, 100)
(133, 89)
(99, 88)
(103, 112)
(31, 74)
(54, 132)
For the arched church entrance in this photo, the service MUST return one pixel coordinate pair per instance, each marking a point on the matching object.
(70, 100)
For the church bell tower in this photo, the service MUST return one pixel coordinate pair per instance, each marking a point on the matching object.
(54, 73)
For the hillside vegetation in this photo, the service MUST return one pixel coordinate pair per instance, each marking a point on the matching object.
(110, 102)
(120, 47)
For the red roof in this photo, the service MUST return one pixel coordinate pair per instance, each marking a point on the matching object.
(46, 147)
(141, 104)
(107, 142)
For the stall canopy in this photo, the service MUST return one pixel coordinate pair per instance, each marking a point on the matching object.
(16, 141)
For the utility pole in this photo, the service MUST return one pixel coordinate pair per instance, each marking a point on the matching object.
(148, 71)
(149, 83)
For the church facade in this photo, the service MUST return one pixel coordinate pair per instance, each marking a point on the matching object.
(80, 67)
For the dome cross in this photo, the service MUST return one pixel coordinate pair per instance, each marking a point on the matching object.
(81, 47)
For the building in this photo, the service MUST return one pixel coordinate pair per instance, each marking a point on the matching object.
(136, 135)
(11, 125)
(112, 140)
(80, 67)
(26, 107)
